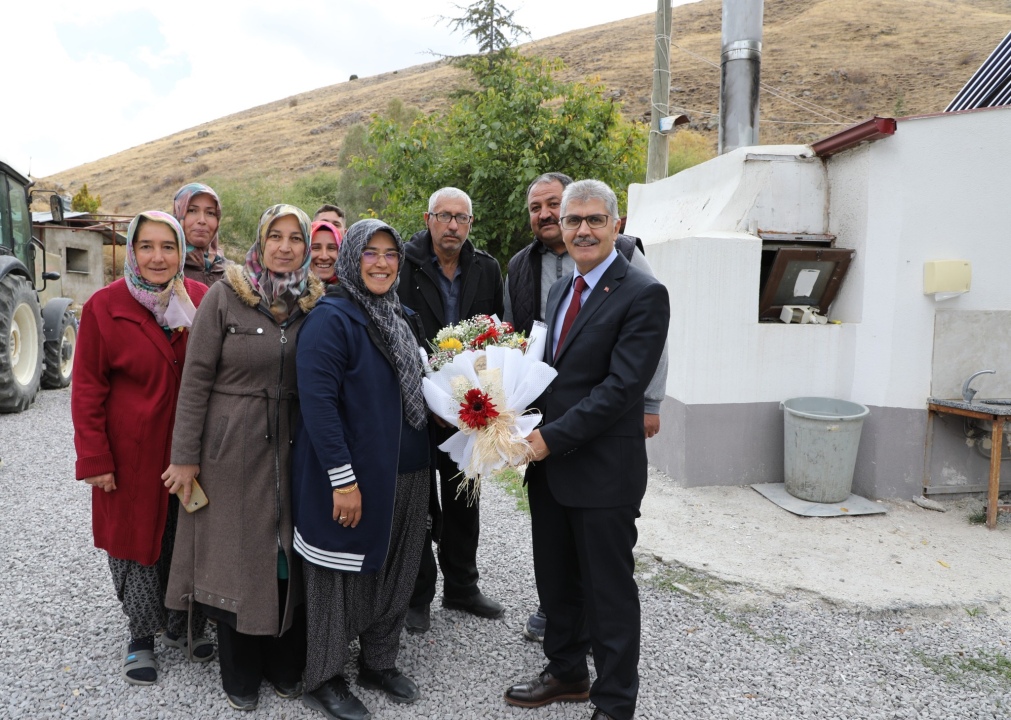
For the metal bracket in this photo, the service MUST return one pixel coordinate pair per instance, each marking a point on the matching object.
(743, 50)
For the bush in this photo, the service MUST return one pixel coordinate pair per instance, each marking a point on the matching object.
(358, 192)
(686, 149)
(84, 202)
(243, 202)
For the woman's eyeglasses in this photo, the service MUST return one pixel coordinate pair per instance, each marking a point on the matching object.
(371, 257)
(572, 222)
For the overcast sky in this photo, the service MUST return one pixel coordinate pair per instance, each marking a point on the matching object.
(84, 80)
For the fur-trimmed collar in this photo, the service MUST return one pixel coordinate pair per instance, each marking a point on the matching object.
(236, 278)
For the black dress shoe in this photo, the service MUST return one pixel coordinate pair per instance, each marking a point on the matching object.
(335, 700)
(546, 689)
(476, 604)
(243, 702)
(287, 690)
(419, 619)
(398, 687)
(599, 714)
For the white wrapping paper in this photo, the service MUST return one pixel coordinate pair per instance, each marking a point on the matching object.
(513, 379)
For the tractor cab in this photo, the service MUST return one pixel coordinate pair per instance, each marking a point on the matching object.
(36, 342)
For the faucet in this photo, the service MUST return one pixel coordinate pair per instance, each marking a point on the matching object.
(969, 393)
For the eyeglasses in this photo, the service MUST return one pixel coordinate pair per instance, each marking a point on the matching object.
(371, 257)
(461, 218)
(572, 222)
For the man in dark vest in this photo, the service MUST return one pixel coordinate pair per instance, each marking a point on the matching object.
(532, 272)
(445, 279)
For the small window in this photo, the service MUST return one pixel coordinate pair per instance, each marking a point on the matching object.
(21, 223)
(802, 276)
(77, 261)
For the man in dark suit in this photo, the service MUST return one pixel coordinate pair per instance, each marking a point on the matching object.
(532, 272)
(607, 324)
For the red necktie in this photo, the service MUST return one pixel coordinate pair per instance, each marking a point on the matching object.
(571, 311)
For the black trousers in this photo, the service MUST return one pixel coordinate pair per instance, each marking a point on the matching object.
(248, 660)
(461, 529)
(584, 567)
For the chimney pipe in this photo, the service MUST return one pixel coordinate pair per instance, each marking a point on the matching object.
(740, 72)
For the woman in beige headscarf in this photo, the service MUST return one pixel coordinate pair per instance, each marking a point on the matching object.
(232, 429)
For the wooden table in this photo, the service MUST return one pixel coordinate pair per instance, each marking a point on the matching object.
(996, 414)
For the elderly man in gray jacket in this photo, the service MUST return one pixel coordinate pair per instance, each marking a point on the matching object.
(534, 269)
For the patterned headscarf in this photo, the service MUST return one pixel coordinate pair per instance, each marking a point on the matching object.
(318, 225)
(169, 303)
(209, 256)
(385, 311)
(280, 291)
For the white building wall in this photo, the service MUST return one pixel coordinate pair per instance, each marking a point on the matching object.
(720, 353)
(931, 191)
(937, 189)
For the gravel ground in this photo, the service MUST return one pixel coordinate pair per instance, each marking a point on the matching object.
(703, 655)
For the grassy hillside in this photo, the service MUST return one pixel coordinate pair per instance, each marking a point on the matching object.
(852, 58)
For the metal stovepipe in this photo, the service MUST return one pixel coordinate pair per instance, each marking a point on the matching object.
(740, 73)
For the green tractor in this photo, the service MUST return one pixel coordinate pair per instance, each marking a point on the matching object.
(37, 340)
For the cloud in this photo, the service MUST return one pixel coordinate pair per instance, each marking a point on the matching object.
(100, 77)
(133, 38)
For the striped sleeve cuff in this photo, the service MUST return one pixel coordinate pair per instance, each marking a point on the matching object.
(341, 476)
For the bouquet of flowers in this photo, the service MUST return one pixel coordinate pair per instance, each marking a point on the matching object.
(477, 333)
(481, 378)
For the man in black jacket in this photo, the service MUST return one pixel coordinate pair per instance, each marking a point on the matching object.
(445, 279)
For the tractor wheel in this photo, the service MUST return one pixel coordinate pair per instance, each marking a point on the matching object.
(60, 354)
(20, 344)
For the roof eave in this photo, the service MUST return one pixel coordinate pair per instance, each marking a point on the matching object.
(873, 129)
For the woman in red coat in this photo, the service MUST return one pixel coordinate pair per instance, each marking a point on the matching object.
(130, 352)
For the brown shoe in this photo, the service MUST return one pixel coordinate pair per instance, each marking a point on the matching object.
(546, 689)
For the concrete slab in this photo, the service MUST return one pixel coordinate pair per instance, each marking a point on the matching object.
(852, 505)
(908, 558)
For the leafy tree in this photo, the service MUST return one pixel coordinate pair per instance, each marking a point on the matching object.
(519, 122)
(357, 192)
(83, 201)
(491, 25)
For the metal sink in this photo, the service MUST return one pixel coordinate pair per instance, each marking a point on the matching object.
(992, 401)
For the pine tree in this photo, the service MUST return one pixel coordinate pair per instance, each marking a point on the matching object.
(84, 202)
(491, 25)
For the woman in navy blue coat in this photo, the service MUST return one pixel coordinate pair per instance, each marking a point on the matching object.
(360, 473)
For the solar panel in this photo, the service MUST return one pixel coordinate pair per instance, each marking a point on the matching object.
(990, 85)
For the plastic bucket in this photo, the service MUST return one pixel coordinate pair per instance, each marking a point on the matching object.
(820, 441)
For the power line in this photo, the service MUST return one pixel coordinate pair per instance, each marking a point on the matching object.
(814, 108)
(764, 120)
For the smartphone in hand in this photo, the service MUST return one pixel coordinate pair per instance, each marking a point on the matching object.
(198, 498)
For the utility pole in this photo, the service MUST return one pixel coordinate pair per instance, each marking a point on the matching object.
(656, 158)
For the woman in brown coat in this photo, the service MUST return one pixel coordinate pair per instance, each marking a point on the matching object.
(233, 423)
